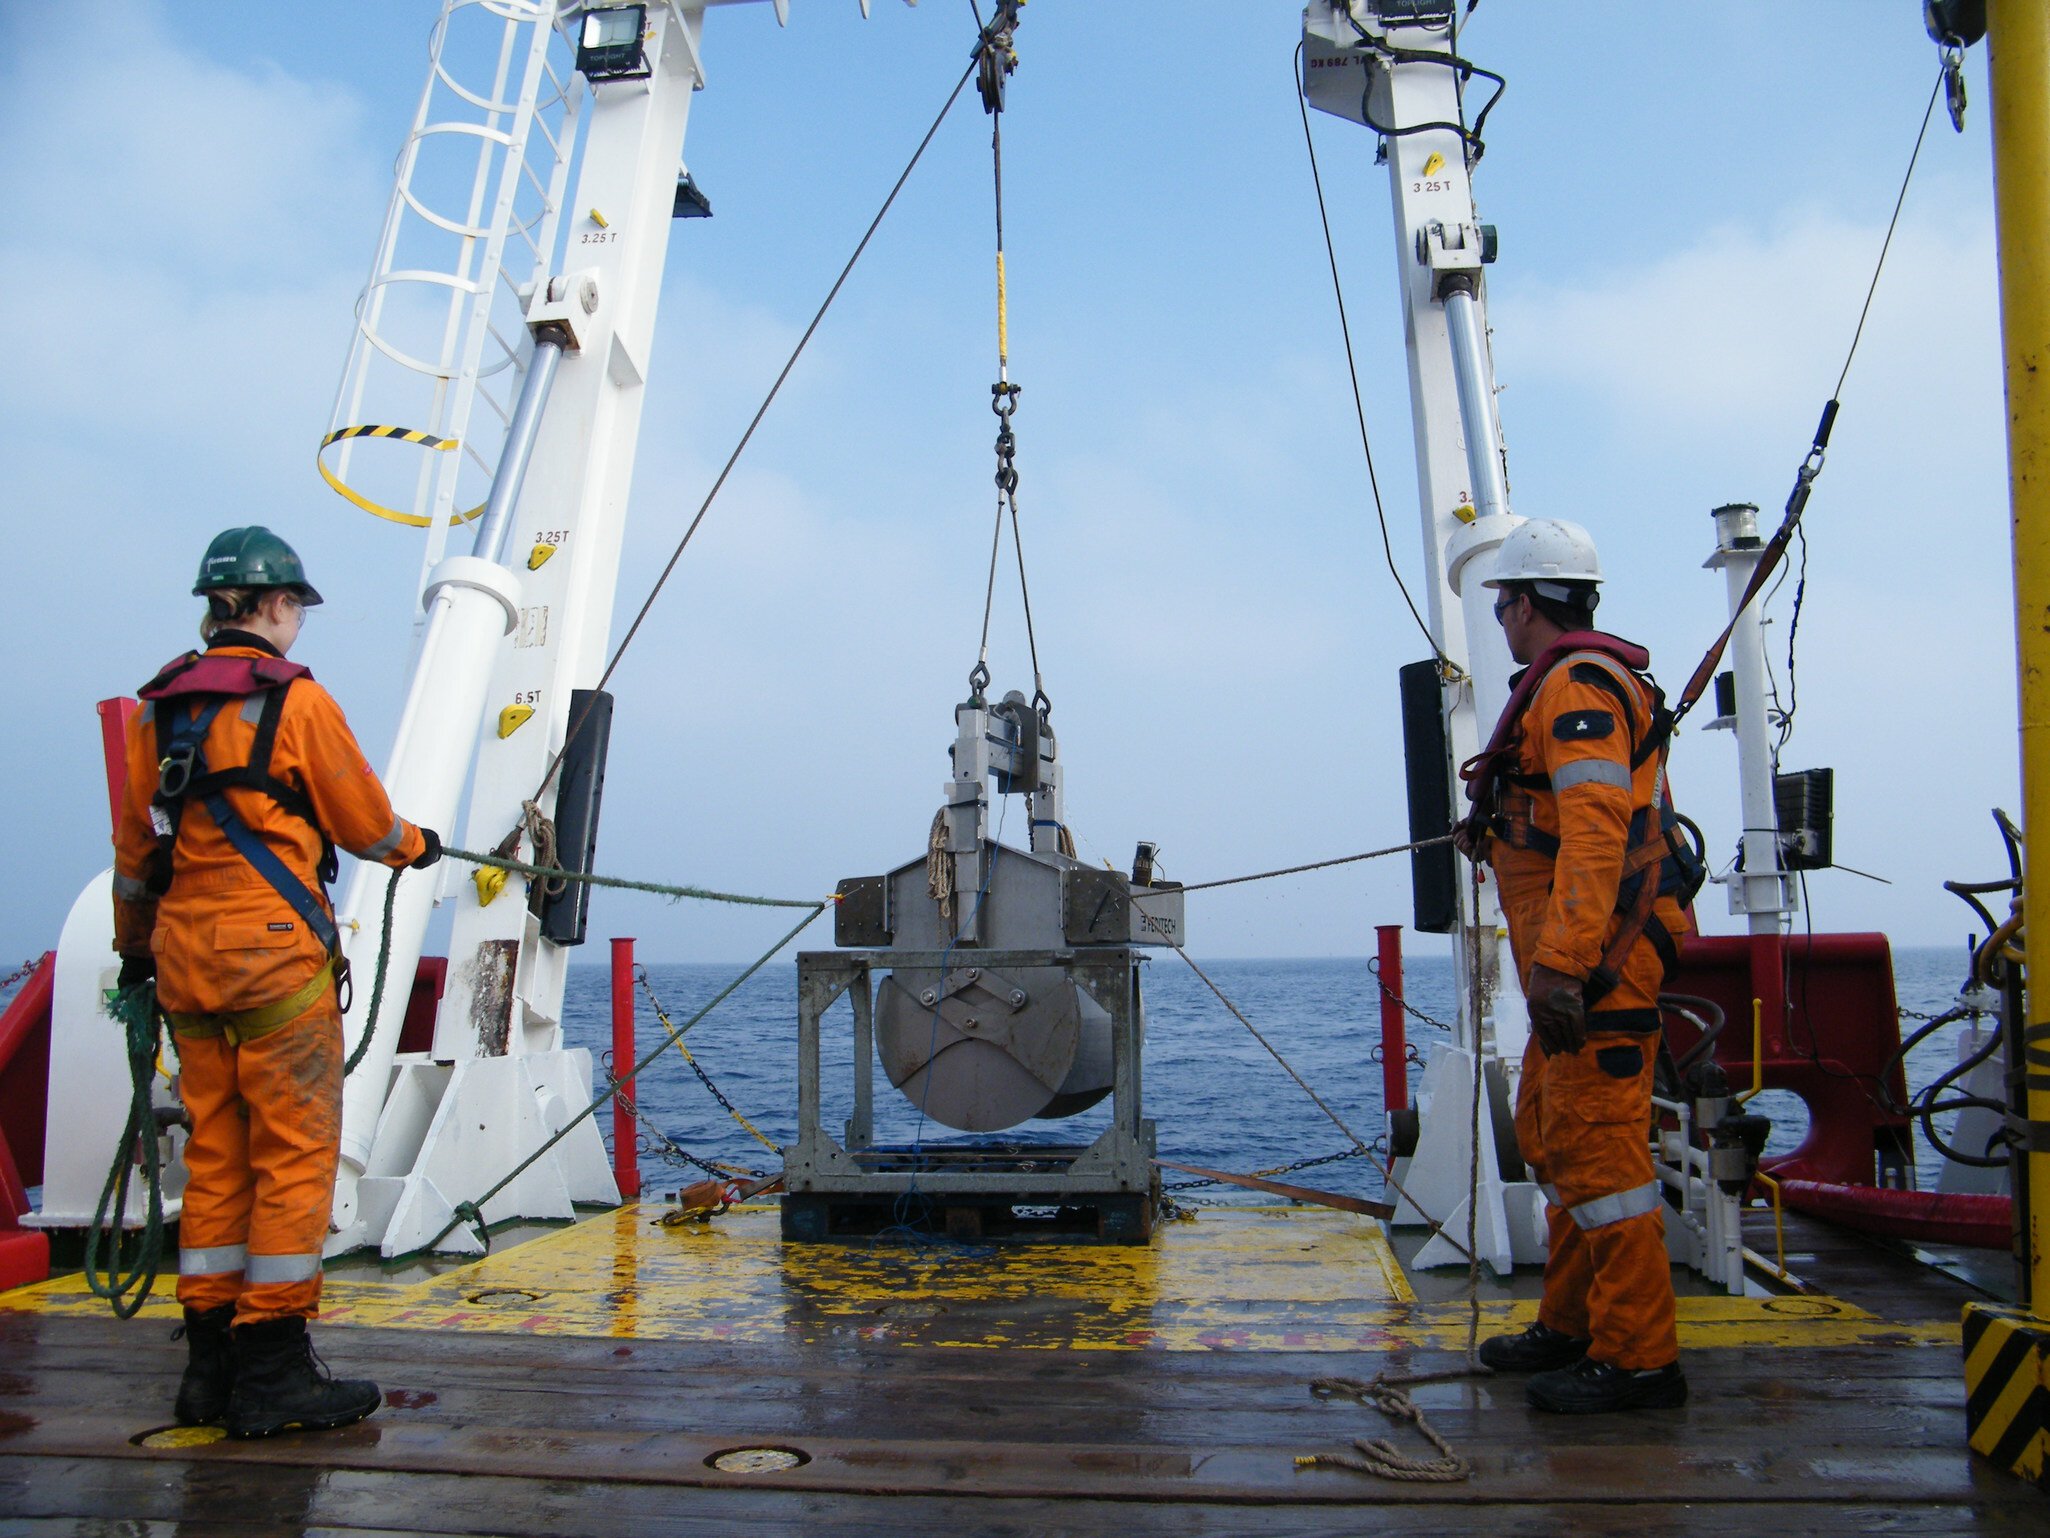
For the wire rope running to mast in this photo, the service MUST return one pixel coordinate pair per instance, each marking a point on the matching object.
(1352, 373)
(1811, 465)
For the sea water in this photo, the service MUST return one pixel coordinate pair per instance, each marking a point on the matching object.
(1216, 1095)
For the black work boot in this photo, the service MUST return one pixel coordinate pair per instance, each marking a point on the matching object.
(209, 1365)
(280, 1385)
(1589, 1387)
(1539, 1347)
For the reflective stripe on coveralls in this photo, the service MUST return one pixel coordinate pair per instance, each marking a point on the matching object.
(264, 1269)
(1604, 1210)
(218, 1260)
(1591, 771)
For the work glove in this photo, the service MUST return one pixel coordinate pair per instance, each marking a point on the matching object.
(136, 971)
(1470, 839)
(430, 854)
(1558, 1010)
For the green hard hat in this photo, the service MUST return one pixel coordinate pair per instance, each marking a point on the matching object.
(252, 557)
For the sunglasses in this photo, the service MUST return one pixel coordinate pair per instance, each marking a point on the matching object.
(1505, 603)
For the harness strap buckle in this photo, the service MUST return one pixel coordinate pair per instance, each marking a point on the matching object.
(174, 771)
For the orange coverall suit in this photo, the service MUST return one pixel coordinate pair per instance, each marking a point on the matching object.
(1583, 1118)
(265, 1109)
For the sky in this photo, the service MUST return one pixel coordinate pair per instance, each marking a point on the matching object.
(1690, 201)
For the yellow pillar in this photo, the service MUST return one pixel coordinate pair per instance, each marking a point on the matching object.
(2007, 1350)
(2018, 40)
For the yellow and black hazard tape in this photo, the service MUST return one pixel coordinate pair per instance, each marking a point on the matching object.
(2007, 1389)
(395, 435)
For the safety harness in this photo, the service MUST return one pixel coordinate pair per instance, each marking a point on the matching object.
(208, 683)
(1657, 860)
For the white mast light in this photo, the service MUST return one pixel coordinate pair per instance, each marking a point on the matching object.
(609, 44)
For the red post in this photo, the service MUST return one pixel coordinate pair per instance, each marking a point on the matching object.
(114, 716)
(626, 1166)
(1394, 1035)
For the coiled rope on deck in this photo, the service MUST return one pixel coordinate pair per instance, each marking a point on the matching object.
(1378, 1456)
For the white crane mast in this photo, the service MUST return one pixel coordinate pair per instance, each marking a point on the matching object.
(512, 630)
(1387, 64)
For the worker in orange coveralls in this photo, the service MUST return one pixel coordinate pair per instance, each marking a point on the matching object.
(1571, 812)
(243, 778)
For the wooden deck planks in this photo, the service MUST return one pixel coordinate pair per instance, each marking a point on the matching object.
(1816, 1430)
(86, 1499)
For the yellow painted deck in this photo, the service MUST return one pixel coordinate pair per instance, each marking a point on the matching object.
(1234, 1278)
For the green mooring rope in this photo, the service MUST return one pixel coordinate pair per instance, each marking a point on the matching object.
(391, 897)
(660, 889)
(126, 1286)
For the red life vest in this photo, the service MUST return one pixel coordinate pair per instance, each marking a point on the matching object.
(209, 673)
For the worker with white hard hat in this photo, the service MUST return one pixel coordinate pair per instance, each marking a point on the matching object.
(1571, 812)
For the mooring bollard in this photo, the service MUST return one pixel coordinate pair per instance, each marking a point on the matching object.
(626, 1165)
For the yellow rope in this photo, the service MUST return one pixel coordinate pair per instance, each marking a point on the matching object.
(1003, 312)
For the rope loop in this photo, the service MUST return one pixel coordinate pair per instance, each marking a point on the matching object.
(541, 830)
(126, 1284)
(468, 1213)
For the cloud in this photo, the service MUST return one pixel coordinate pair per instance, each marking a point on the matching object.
(218, 170)
(1746, 330)
(192, 236)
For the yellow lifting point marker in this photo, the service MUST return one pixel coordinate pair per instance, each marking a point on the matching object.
(538, 556)
(1434, 164)
(490, 882)
(599, 220)
(512, 718)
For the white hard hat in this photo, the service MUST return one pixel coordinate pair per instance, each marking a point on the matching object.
(1546, 551)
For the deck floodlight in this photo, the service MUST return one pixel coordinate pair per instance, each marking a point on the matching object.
(609, 43)
(691, 202)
